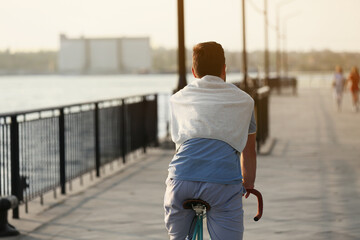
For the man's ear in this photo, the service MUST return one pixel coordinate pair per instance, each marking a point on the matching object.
(223, 72)
(193, 72)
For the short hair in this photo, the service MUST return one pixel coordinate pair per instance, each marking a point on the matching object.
(208, 59)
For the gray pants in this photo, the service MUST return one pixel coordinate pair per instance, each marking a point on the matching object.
(224, 220)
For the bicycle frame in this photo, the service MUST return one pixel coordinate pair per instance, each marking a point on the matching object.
(198, 231)
(200, 211)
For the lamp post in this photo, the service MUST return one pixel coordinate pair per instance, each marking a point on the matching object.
(245, 68)
(278, 36)
(181, 46)
(266, 52)
(285, 53)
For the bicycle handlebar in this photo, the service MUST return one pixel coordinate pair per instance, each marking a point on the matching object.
(260, 203)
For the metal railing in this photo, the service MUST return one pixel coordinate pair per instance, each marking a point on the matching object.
(285, 82)
(42, 150)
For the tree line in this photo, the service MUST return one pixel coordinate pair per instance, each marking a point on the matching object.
(165, 61)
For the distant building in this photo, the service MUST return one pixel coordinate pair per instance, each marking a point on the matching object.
(104, 55)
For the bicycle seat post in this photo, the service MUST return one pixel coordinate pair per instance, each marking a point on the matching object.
(199, 209)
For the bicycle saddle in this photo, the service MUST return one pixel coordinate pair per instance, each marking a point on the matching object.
(188, 204)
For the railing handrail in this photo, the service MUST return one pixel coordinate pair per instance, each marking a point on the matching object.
(45, 109)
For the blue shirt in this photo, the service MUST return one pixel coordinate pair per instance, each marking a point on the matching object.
(208, 160)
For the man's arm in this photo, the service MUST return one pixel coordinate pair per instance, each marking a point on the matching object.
(248, 163)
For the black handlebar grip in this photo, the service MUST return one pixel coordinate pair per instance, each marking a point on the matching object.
(260, 203)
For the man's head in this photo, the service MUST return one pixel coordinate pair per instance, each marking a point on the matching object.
(338, 69)
(208, 59)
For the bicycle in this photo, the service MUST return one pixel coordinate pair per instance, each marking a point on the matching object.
(201, 207)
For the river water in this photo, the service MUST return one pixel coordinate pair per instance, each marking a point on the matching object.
(18, 93)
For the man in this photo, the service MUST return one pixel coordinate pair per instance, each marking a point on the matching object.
(212, 122)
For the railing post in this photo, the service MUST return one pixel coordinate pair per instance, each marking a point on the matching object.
(258, 122)
(62, 151)
(97, 140)
(266, 118)
(123, 131)
(15, 168)
(156, 121)
(145, 119)
(262, 115)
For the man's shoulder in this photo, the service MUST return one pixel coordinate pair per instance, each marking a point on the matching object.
(223, 92)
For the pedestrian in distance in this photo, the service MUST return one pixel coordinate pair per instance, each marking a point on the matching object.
(338, 85)
(353, 80)
(214, 130)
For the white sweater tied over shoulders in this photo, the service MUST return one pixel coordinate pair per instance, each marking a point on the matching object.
(211, 108)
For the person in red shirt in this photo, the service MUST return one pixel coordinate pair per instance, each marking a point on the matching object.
(353, 79)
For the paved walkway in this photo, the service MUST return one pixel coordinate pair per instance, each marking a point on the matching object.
(310, 184)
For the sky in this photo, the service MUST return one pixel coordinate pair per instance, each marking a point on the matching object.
(32, 25)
